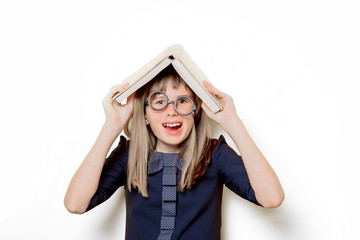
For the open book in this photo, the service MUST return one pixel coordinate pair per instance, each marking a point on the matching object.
(185, 67)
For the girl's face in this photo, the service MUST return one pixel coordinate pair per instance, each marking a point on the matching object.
(170, 128)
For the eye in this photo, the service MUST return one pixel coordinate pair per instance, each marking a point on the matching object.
(183, 100)
(160, 100)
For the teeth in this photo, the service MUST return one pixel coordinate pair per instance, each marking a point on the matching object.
(172, 125)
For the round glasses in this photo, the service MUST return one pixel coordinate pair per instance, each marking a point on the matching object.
(183, 105)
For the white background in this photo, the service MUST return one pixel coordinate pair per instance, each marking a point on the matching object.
(291, 67)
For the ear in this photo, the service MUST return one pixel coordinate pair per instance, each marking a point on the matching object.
(146, 121)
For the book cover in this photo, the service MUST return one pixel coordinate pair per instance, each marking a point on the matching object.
(183, 64)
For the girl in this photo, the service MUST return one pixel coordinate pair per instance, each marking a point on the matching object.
(172, 171)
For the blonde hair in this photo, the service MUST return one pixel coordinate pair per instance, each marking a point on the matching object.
(194, 150)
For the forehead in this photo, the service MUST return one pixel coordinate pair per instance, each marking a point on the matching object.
(171, 87)
(175, 91)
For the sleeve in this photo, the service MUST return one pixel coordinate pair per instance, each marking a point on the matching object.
(232, 171)
(113, 174)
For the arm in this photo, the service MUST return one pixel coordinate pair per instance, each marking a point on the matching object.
(85, 181)
(263, 179)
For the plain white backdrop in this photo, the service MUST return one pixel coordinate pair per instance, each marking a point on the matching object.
(291, 67)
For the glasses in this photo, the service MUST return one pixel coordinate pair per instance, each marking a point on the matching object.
(183, 105)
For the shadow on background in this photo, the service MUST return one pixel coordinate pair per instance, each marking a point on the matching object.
(115, 217)
(278, 219)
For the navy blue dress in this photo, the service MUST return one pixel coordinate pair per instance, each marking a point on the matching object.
(198, 210)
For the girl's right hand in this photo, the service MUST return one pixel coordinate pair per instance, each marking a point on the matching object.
(116, 113)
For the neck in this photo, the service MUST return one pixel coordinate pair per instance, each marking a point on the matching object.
(167, 149)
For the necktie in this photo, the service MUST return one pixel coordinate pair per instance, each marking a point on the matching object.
(170, 163)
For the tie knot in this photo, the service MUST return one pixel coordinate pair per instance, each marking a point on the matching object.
(159, 160)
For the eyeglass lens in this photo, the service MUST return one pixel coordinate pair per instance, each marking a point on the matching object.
(159, 102)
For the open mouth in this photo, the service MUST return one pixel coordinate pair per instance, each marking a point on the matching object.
(172, 126)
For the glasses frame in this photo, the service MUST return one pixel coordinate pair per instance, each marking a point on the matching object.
(173, 102)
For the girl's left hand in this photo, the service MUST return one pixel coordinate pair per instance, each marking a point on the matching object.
(228, 113)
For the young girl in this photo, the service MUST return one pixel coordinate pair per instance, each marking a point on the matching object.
(173, 173)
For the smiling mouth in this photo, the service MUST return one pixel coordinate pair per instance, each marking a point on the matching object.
(172, 126)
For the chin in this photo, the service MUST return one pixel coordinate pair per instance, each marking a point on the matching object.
(176, 140)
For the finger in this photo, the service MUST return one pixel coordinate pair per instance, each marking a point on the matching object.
(212, 89)
(108, 100)
(208, 87)
(117, 89)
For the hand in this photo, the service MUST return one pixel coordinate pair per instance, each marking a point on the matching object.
(116, 113)
(228, 113)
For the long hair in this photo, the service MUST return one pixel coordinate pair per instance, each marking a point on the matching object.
(195, 150)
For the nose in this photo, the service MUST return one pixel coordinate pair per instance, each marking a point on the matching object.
(170, 110)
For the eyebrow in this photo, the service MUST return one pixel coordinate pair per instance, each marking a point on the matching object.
(187, 95)
(183, 95)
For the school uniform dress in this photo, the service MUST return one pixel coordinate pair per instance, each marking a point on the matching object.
(167, 213)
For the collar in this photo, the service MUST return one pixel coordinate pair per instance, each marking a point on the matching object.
(157, 161)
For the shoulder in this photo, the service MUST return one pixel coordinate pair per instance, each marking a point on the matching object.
(119, 155)
(124, 143)
(219, 146)
(223, 155)
(122, 147)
